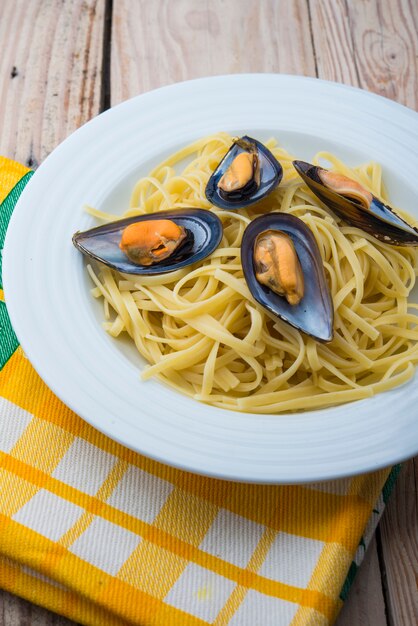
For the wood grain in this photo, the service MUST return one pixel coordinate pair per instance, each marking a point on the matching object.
(50, 73)
(365, 604)
(370, 44)
(385, 47)
(333, 43)
(399, 532)
(164, 42)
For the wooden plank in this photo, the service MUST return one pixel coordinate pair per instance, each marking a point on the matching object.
(374, 45)
(365, 604)
(399, 531)
(385, 47)
(370, 44)
(50, 73)
(164, 42)
(334, 48)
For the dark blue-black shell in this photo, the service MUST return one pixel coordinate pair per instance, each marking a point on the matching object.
(203, 229)
(314, 315)
(271, 173)
(378, 219)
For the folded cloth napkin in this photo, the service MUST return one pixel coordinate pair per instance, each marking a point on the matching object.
(104, 536)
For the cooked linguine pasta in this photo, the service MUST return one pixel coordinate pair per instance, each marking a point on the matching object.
(201, 331)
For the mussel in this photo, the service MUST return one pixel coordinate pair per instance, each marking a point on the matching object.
(277, 265)
(284, 271)
(246, 174)
(149, 242)
(154, 243)
(356, 205)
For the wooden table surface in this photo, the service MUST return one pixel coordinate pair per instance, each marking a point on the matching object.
(64, 61)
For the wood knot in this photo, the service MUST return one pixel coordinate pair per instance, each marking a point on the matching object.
(32, 162)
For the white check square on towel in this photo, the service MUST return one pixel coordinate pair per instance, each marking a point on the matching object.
(200, 592)
(84, 466)
(232, 538)
(48, 514)
(140, 494)
(12, 429)
(105, 545)
(258, 609)
(291, 559)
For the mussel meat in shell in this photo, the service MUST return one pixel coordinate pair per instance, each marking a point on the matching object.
(356, 205)
(247, 173)
(154, 243)
(277, 265)
(284, 271)
(242, 176)
(151, 241)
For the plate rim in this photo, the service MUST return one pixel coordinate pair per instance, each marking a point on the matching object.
(35, 358)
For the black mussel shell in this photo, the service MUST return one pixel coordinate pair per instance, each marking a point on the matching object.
(203, 229)
(271, 173)
(378, 220)
(314, 315)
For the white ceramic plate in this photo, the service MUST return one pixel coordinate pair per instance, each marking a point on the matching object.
(47, 290)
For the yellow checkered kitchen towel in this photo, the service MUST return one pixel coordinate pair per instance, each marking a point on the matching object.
(98, 533)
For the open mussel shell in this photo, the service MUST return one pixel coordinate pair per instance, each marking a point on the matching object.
(203, 235)
(314, 315)
(377, 219)
(269, 175)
